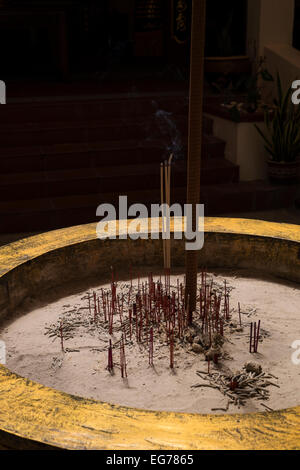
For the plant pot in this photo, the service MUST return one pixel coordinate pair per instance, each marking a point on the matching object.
(283, 172)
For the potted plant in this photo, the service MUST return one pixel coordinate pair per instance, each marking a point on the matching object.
(244, 96)
(282, 136)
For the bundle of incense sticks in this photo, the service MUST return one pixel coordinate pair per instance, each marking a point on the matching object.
(254, 337)
(157, 307)
(165, 190)
(157, 302)
(212, 314)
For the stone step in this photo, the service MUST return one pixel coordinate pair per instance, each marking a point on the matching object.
(94, 107)
(106, 179)
(114, 129)
(50, 213)
(99, 153)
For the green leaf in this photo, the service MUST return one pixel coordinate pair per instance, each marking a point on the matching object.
(268, 142)
(266, 76)
(283, 125)
(279, 89)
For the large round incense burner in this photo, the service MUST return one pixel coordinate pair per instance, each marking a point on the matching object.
(34, 416)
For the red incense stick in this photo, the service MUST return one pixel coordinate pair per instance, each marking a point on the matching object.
(61, 336)
(240, 316)
(251, 333)
(110, 366)
(172, 351)
(257, 337)
(151, 348)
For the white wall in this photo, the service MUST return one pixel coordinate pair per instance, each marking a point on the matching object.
(270, 27)
(270, 34)
(253, 27)
(284, 59)
(251, 154)
(270, 22)
(276, 22)
(244, 147)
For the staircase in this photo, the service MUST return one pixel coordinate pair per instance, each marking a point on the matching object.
(62, 157)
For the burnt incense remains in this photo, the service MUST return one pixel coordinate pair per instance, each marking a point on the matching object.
(250, 382)
(154, 308)
(151, 314)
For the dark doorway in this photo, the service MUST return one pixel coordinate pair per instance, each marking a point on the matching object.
(106, 39)
(296, 39)
(226, 28)
(112, 39)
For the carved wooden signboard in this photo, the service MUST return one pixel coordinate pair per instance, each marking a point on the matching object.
(181, 20)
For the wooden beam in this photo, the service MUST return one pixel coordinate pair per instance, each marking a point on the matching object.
(195, 139)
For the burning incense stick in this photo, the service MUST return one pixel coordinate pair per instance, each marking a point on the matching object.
(168, 200)
(165, 190)
(162, 202)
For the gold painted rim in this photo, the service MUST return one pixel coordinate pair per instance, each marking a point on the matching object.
(34, 416)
